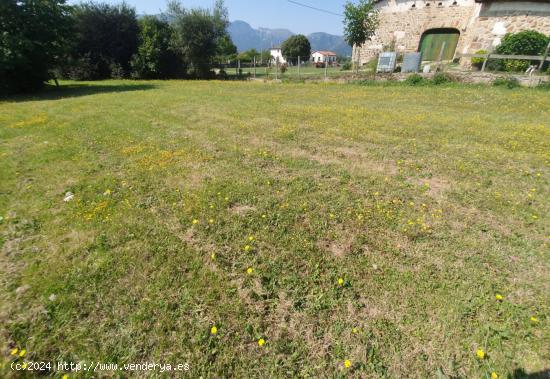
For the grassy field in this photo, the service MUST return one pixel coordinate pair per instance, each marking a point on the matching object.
(400, 231)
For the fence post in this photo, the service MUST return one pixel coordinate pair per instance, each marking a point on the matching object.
(299, 63)
(440, 57)
(277, 69)
(485, 62)
(254, 67)
(544, 56)
(326, 67)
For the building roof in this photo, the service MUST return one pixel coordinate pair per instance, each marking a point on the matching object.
(325, 52)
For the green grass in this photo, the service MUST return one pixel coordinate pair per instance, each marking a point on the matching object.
(426, 201)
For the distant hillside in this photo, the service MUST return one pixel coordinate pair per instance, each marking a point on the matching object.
(246, 37)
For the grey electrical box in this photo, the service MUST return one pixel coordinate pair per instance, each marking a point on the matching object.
(386, 62)
(411, 62)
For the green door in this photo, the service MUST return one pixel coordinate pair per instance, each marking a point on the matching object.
(434, 40)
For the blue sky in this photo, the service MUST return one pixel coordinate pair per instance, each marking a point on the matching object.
(264, 13)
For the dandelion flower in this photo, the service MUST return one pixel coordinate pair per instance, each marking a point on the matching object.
(247, 248)
(251, 238)
(534, 319)
(264, 216)
(195, 222)
(214, 330)
(261, 342)
(24, 365)
(213, 256)
(249, 271)
(494, 375)
(65, 376)
(14, 351)
(498, 297)
(341, 281)
(480, 354)
(22, 353)
(347, 363)
(354, 330)
(211, 221)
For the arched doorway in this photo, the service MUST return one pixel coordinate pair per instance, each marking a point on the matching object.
(434, 40)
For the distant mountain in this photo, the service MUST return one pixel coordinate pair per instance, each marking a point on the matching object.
(325, 41)
(246, 37)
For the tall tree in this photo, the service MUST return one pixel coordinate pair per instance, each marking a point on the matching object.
(32, 40)
(106, 38)
(296, 46)
(198, 33)
(155, 58)
(360, 23)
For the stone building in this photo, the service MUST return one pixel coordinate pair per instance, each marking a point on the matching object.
(444, 27)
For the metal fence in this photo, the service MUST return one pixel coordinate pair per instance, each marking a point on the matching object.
(289, 68)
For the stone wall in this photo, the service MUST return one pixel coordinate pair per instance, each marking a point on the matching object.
(481, 26)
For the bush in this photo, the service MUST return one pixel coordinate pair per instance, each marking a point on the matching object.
(347, 66)
(508, 82)
(478, 62)
(414, 80)
(527, 42)
(442, 78)
(105, 39)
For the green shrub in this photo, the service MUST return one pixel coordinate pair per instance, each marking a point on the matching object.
(478, 62)
(414, 80)
(544, 86)
(347, 66)
(508, 82)
(442, 78)
(527, 42)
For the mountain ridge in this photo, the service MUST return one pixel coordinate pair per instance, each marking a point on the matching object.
(245, 37)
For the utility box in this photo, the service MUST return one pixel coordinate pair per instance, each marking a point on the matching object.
(386, 62)
(411, 62)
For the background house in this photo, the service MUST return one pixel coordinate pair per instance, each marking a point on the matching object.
(277, 55)
(322, 56)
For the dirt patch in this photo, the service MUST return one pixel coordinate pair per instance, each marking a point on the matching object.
(435, 185)
(241, 209)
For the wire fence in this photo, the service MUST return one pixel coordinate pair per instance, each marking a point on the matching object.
(289, 68)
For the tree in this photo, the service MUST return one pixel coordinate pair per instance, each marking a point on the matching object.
(198, 33)
(155, 58)
(248, 55)
(360, 23)
(227, 51)
(32, 40)
(296, 46)
(106, 38)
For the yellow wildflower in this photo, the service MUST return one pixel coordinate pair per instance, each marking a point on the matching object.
(22, 353)
(480, 353)
(251, 238)
(214, 330)
(107, 192)
(534, 319)
(498, 297)
(249, 271)
(213, 256)
(195, 222)
(354, 330)
(347, 363)
(211, 221)
(14, 351)
(247, 248)
(494, 375)
(65, 376)
(24, 365)
(341, 281)
(261, 342)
